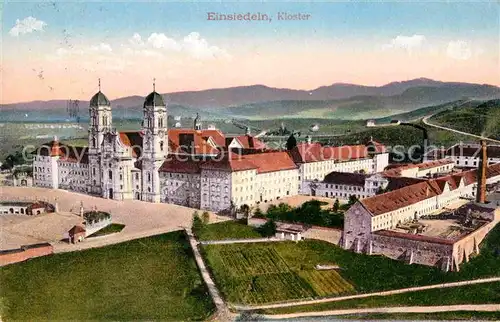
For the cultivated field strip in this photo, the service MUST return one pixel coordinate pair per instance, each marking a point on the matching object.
(258, 274)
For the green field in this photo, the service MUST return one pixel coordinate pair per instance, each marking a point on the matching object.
(153, 278)
(227, 230)
(263, 273)
(111, 229)
(274, 272)
(471, 294)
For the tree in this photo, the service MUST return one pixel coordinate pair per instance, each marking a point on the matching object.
(205, 217)
(268, 229)
(291, 142)
(336, 205)
(352, 200)
(245, 209)
(258, 213)
(197, 224)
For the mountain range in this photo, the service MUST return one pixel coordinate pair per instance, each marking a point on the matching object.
(338, 100)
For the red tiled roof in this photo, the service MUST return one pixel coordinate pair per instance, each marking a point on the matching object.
(396, 169)
(216, 135)
(197, 145)
(396, 199)
(434, 164)
(175, 165)
(313, 152)
(262, 162)
(493, 151)
(409, 195)
(76, 229)
(250, 142)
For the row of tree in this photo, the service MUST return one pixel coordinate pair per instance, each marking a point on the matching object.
(310, 212)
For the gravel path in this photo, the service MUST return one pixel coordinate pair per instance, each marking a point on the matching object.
(385, 293)
(401, 309)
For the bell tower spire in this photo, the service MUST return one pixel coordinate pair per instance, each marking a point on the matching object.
(155, 144)
(100, 119)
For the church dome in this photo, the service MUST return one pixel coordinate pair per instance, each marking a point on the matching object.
(99, 99)
(154, 99)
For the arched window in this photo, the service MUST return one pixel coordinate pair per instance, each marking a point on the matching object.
(161, 145)
(149, 177)
(110, 174)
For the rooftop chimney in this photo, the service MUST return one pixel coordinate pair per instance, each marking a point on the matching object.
(481, 174)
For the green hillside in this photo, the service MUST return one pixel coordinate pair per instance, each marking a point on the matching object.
(428, 110)
(483, 119)
(411, 104)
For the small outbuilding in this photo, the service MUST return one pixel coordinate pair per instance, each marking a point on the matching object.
(289, 231)
(76, 234)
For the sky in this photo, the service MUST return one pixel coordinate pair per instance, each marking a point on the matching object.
(59, 50)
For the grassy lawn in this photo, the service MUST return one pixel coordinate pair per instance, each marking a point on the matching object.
(227, 230)
(153, 278)
(471, 294)
(111, 229)
(274, 272)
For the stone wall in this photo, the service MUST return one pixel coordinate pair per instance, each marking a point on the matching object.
(465, 247)
(357, 228)
(412, 251)
(415, 249)
(25, 252)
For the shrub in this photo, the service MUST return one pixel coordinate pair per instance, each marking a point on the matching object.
(205, 217)
(268, 229)
(197, 225)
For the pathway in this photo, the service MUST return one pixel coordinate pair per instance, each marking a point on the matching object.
(425, 120)
(385, 293)
(401, 309)
(223, 313)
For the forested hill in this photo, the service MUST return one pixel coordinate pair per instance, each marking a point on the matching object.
(483, 119)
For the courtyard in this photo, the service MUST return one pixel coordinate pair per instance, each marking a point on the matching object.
(141, 219)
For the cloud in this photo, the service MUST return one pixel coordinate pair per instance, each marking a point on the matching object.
(102, 47)
(136, 40)
(161, 41)
(158, 43)
(459, 49)
(199, 47)
(26, 26)
(409, 43)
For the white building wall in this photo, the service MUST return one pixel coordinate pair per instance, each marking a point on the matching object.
(215, 190)
(73, 176)
(181, 188)
(276, 184)
(42, 171)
